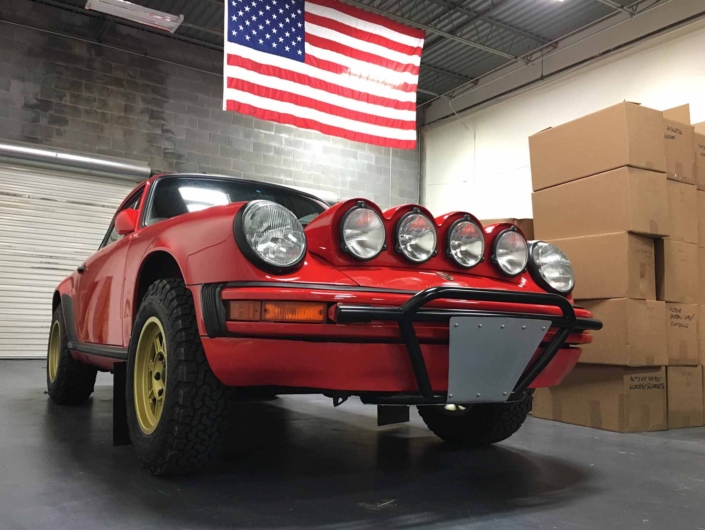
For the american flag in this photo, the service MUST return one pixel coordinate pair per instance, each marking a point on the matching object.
(323, 65)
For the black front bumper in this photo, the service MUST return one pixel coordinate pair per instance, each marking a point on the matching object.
(413, 310)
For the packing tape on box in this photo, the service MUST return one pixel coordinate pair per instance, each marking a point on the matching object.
(595, 414)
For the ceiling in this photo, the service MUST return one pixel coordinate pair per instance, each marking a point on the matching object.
(465, 39)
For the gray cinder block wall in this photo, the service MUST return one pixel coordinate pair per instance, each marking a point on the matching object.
(82, 96)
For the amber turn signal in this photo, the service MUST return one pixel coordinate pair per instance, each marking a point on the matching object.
(245, 310)
(253, 311)
(294, 312)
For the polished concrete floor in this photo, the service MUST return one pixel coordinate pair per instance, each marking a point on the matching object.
(299, 463)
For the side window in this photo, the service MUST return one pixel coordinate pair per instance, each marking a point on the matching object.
(113, 235)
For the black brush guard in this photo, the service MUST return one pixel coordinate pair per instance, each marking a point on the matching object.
(413, 310)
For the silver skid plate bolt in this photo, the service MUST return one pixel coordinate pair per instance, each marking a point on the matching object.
(456, 324)
(479, 325)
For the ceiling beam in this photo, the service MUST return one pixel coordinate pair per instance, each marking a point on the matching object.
(615, 5)
(433, 30)
(474, 16)
(443, 71)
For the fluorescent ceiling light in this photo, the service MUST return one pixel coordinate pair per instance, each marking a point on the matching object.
(137, 13)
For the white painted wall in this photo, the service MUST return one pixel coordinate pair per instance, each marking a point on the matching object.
(481, 162)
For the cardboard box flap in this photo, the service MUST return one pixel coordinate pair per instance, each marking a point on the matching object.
(680, 114)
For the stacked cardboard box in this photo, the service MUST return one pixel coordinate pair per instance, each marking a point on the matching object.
(616, 191)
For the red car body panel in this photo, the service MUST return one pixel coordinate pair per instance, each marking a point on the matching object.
(314, 356)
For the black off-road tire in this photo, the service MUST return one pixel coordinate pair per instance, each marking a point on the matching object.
(74, 380)
(188, 435)
(479, 425)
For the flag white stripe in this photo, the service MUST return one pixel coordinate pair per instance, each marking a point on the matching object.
(344, 80)
(321, 95)
(321, 117)
(363, 25)
(362, 45)
(362, 67)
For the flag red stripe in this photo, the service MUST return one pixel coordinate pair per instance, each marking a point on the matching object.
(311, 103)
(289, 75)
(362, 35)
(360, 55)
(264, 114)
(370, 17)
(339, 69)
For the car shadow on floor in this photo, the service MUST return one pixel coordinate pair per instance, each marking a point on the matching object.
(288, 464)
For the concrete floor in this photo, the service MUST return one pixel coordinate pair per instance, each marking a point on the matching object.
(299, 463)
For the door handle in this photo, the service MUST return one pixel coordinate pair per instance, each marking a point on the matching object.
(81, 269)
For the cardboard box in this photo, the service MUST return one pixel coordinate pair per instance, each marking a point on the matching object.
(680, 158)
(701, 218)
(701, 275)
(699, 154)
(685, 396)
(682, 334)
(682, 212)
(677, 271)
(699, 127)
(626, 134)
(619, 265)
(622, 200)
(525, 225)
(680, 114)
(613, 398)
(633, 333)
(701, 335)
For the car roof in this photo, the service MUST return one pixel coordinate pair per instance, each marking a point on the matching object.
(246, 181)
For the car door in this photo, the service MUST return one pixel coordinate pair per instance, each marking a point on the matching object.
(100, 287)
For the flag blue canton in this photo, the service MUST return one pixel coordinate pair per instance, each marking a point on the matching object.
(271, 26)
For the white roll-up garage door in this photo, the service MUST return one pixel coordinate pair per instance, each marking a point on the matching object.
(50, 222)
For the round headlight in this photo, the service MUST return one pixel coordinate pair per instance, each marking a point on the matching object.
(551, 268)
(362, 232)
(270, 235)
(511, 252)
(416, 237)
(466, 244)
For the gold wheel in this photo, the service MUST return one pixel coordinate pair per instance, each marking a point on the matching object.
(54, 351)
(150, 375)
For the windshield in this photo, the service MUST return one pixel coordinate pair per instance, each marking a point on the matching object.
(179, 195)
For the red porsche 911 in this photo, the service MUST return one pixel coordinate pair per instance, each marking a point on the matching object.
(210, 289)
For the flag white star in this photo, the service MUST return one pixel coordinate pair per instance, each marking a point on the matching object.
(267, 21)
(298, 11)
(268, 8)
(298, 39)
(247, 22)
(261, 41)
(299, 24)
(274, 45)
(281, 40)
(234, 4)
(234, 18)
(247, 8)
(300, 52)
(274, 16)
(261, 14)
(241, 28)
(281, 10)
(240, 13)
(281, 25)
(274, 30)
(261, 26)
(234, 33)
(287, 34)
(293, 43)
(268, 35)
(254, 32)
(254, 4)
(247, 37)
(286, 48)
(288, 21)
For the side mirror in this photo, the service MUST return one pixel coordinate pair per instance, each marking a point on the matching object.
(126, 221)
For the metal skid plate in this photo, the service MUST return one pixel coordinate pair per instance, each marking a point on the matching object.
(488, 355)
